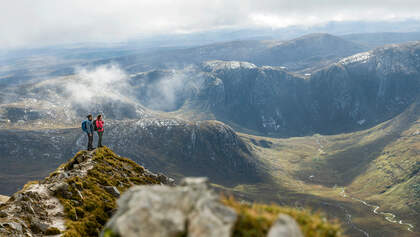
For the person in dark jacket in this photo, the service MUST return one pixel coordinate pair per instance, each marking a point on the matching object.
(87, 127)
(100, 129)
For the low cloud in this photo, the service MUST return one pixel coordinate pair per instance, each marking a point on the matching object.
(92, 86)
(168, 91)
(103, 90)
(46, 22)
(108, 89)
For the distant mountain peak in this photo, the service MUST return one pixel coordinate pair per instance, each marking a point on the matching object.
(317, 35)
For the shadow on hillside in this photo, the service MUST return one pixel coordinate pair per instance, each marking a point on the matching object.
(353, 162)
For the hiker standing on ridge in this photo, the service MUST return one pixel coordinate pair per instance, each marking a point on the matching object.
(87, 127)
(99, 123)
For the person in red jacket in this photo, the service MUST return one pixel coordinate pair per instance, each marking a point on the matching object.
(100, 127)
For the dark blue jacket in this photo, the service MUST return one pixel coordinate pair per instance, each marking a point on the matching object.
(89, 126)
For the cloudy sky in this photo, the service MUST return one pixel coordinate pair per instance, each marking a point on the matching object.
(44, 22)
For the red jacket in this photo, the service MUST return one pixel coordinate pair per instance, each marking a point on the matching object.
(100, 125)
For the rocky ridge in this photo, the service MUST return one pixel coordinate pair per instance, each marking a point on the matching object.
(46, 207)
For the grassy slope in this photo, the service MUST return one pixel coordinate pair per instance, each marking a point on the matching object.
(255, 220)
(393, 177)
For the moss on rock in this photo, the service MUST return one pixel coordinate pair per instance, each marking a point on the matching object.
(89, 206)
(52, 231)
(255, 220)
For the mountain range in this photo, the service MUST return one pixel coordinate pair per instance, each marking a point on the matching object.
(321, 121)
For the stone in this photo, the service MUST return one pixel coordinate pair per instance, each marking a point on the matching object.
(208, 216)
(165, 180)
(63, 175)
(171, 181)
(159, 210)
(59, 188)
(27, 207)
(16, 226)
(112, 190)
(67, 194)
(80, 159)
(59, 214)
(285, 226)
(38, 227)
(160, 177)
(3, 214)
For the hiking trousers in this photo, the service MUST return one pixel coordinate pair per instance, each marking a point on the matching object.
(90, 141)
(100, 138)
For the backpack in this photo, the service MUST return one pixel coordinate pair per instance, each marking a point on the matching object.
(84, 126)
(95, 128)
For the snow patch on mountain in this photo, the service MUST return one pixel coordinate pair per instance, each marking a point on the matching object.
(216, 65)
(357, 58)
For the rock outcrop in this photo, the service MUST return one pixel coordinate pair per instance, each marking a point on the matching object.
(191, 208)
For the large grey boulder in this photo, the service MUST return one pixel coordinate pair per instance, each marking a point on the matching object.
(285, 226)
(157, 211)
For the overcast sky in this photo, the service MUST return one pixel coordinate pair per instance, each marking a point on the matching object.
(44, 22)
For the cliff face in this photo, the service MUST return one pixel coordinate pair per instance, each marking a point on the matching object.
(355, 93)
(365, 89)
